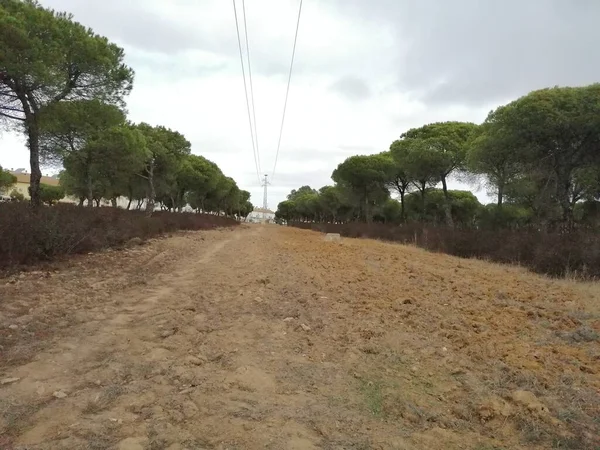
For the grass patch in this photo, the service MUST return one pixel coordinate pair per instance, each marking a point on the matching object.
(373, 397)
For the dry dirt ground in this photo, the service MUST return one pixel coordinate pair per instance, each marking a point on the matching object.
(271, 338)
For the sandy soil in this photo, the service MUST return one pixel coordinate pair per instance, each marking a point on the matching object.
(270, 337)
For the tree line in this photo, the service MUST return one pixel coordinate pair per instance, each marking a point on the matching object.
(539, 156)
(64, 86)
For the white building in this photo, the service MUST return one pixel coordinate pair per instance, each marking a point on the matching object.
(261, 215)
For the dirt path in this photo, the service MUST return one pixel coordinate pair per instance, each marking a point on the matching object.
(268, 337)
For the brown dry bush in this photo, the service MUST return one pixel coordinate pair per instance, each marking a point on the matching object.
(29, 235)
(551, 253)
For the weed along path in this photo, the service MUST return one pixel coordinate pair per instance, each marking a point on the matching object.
(271, 337)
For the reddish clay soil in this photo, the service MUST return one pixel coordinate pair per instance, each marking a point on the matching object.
(268, 337)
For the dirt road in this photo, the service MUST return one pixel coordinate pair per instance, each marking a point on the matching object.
(269, 337)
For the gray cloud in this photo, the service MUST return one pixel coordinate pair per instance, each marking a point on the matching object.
(472, 52)
(134, 23)
(352, 87)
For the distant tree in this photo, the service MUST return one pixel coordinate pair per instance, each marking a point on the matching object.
(16, 196)
(301, 191)
(166, 152)
(464, 207)
(330, 200)
(51, 194)
(92, 139)
(446, 145)
(393, 211)
(198, 177)
(286, 210)
(366, 176)
(7, 180)
(400, 179)
(47, 58)
(420, 164)
(119, 155)
(496, 153)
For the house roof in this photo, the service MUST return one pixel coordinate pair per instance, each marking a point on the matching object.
(24, 178)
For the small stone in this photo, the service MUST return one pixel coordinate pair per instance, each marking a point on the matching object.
(288, 319)
(444, 349)
(9, 380)
(13, 327)
(304, 327)
(59, 394)
(333, 237)
(414, 369)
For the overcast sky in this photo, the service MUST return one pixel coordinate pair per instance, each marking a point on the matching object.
(366, 70)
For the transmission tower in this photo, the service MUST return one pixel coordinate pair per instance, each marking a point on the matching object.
(264, 184)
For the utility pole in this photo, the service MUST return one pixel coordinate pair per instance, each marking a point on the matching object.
(265, 205)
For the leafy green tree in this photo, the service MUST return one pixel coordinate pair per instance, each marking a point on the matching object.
(16, 196)
(331, 200)
(301, 191)
(496, 153)
(508, 216)
(198, 177)
(90, 137)
(167, 150)
(420, 164)
(393, 211)
(46, 58)
(464, 207)
(286, 210)
(7, 180)
(119, 155)
(51, 194)
(446, 145)
(561, 127)
(366, 176)
(400, 180)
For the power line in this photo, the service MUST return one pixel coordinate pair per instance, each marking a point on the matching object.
(251, 85)
(246, 92)
(288, 89)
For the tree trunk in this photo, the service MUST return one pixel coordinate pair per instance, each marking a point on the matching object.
(34, 161)
(81, 200)
(447, 204)
(563, 184)
(129, 204)
(422, 189)
(150, 204)
(90, 189)
(500, 195)
(402, 208)
(98, 203)
(113, 202)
